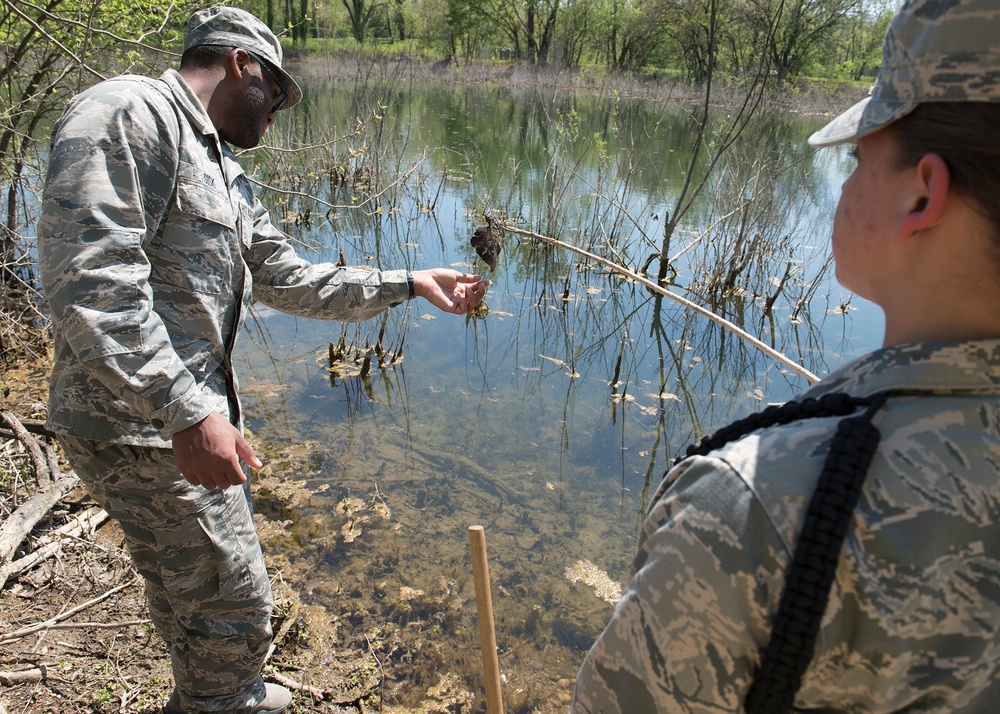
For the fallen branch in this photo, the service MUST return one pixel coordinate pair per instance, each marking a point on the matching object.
(9, 637)
(35, 426)
(11, 679)
(315, 692)
(327, 695)
(93, 625)
(52, 486)
(19, 524)
(42, 466)
(80, 525)
(659, 289)
(290, 619)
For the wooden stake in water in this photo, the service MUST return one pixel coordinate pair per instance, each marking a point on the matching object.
(484, 606)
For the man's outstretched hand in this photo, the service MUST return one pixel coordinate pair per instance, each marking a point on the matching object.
(449, 290)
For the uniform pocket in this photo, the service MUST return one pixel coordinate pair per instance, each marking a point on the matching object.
(200, 195)
(194, 251)
(211, 556)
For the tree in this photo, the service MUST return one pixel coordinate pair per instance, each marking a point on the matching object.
(804, 28)
(361, 13)
(633, 31)
(695, 27)
(539, 27)
(397, 19)
(529, 24)
(296, 21)
(51, 50)
(578, 19)
(865, 33)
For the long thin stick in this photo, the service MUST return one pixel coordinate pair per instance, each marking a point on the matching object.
(8, 637)
(484, 605)
(743, 334)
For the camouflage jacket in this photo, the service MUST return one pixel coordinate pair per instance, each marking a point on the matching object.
(913, 620)
(152, 246)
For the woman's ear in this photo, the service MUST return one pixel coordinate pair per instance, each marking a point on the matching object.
(932, 179)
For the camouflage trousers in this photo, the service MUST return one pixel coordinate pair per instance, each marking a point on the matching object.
(206, 587)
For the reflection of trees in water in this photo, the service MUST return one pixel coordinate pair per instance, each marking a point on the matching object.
(596, 174)
(744, 256)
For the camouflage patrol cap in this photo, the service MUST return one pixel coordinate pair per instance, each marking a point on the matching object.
(935, 51)
(232, 27)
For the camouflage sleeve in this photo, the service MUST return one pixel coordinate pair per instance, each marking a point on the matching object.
(286, 282)
(111, 171)
(685, 635)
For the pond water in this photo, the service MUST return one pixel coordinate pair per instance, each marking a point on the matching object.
(550, 421)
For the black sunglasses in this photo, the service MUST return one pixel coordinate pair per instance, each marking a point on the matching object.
(284, 92)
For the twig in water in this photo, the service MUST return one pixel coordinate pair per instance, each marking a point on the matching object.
(766, 349)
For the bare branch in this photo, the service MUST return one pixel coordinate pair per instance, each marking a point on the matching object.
(104, 33)
(659, 289)
(53, 40)
(48, 624)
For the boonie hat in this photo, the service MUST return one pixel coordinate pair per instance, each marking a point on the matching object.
(935, 51)
(232, 27)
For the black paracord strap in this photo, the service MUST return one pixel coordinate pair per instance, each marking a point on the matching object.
(814, 562)
(833, 404)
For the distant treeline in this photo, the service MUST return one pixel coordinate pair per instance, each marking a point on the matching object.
(837, 39)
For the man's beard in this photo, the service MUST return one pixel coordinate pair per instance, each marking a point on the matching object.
(247, 113)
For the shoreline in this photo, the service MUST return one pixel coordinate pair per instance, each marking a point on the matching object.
(801, 96)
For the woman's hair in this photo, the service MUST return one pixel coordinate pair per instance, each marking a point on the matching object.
(964, 134)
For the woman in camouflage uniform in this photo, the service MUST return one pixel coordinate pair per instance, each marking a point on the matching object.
(842, 553)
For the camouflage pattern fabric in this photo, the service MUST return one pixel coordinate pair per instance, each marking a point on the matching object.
(146, 311)
(914, 613)
(208, 592)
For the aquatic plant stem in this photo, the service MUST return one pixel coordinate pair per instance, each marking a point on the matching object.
(484, 606)
(659, 289)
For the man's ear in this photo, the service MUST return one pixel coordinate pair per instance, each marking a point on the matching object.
(237, 62)
(932, 180)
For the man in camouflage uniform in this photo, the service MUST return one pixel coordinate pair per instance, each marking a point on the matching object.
(912, 622)
(152, 247)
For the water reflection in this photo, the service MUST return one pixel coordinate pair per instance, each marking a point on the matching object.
(551, 421)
